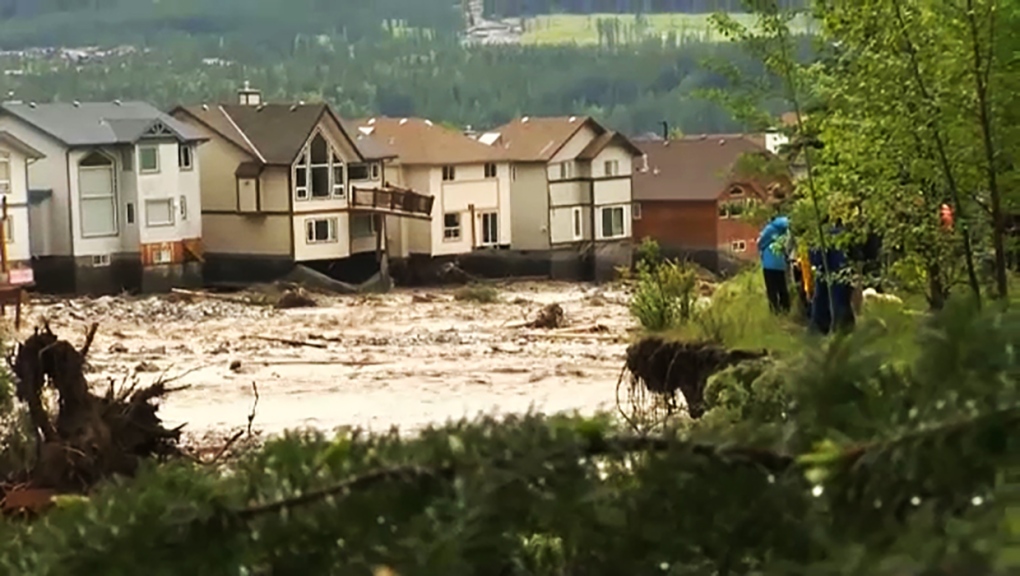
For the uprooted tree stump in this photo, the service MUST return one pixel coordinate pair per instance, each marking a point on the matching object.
(296, 298)
(92, 437)
(548, 317)
(665, 367)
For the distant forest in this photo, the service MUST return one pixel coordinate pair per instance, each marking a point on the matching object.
(524, 8)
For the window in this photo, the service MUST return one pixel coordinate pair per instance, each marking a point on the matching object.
(159, 212)
(184, 207)
(129, 212)
(163, 256)
(578, 229)
(612, 222)
(184, 160)
(490, 229)
(127, 157)
(612, 167)
(362, 226)
(301, 177)
(565, 170)
(357, 171)
(148, 159)
(635, 211)
(97, 195)
(724, 210)
(451, 226)
(100, 260)
(449, 173)
(375, 171)
(339, 190)
(320, 230)
(319, 164)
(490, 170)
(5, 173)
(736, 191)
(738, 246)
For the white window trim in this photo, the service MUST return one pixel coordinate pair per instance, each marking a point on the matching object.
(495, 219)
(170, 202)
(375, 171)
(566, 170)
(451, 171)
(100, 260)
(623, 225)
(5, 183)
(635, 211)
(331, 227)
(611, 167)
(181, 149)
(339, 190)
(738, 246)
(155, 150)
(368, 172)
(576, 223)
(485, 170)
(458, 228)
(336, 191)
(112, 198)
(163, 256)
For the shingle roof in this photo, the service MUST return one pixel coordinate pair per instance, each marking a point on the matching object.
(20, 145)
(691, 168)
(275, 132)
(538, 139)
(605, 139)
(419, 141)
(98, 123)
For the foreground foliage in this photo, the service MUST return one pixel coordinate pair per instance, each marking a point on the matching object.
(845, 459)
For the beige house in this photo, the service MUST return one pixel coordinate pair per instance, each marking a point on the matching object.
(570, 189)
(287, 184)
(469, 181)
(15, 156)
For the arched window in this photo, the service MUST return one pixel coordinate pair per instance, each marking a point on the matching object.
(319, 152)
(319, 172)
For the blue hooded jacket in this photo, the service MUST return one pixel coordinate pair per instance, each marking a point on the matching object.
(773, 257)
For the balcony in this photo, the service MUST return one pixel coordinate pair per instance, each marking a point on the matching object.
(393, 201)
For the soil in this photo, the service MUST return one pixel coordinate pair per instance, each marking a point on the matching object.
(409, 358)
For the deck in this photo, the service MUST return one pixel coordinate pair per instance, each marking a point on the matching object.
(392, 201)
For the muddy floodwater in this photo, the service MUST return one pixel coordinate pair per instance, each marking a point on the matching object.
(409, 358)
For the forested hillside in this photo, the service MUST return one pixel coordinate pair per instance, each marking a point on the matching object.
(536, 7)
(394, 57)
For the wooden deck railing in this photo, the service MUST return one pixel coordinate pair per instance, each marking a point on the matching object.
(392, 200)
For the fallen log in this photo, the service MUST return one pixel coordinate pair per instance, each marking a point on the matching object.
(291, 342)
(211, 295)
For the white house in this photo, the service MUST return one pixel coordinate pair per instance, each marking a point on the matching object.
(570, 190)
(15, 258)
(115, 197)
(469, 181)
(288, 184)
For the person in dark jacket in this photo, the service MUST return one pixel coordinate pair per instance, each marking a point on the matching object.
(838, 315)
(772, 249)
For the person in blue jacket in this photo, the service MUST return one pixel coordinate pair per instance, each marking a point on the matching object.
(772, 249)
(838, 315)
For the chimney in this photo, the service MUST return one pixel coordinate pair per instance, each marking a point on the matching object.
(249, 96)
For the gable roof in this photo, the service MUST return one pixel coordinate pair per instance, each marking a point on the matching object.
(99, 123)
(539, 139)
(695, 168)
(275, 132)
(420, 141)
(603, 140)
(19, 145)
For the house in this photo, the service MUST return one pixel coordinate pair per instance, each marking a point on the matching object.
(689, 196)
(292, 183)
(570, 193)
(114, 197)
(469, 180)
(16, 256)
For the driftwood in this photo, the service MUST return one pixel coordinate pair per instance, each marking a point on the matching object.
(211, 296)
(91, 437)
(291, 342)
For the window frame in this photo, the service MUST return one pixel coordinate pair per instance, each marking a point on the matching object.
(171, 212)
(611, 167)
(185, 151)
(635, 211)
(449, 173)
(602, 222)
(372, 228)
(494, 219)
(738, 246)
(332, 223)
(154, 148)
(566, 170)
(490, 171)
(5, 183)
(458, 228)
(86, 199)
(577, 223)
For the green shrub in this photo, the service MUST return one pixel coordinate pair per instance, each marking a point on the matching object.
(665, 292)
(481, 293)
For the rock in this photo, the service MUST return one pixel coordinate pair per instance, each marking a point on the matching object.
(118, 348)
(295, 299)
(235, 365)
(146, 367)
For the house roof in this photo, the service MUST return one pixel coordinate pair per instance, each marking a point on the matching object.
(691, 168)
(605, 139)
(420, 141)
(275, 132)
(539, 139)
(98, 123)
(18, 144)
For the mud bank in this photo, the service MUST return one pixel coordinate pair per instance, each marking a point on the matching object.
(407, 359)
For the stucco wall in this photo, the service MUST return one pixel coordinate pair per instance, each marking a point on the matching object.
(246, 234)
(529, 207)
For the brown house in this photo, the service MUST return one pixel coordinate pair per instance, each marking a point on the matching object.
(689, 197)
